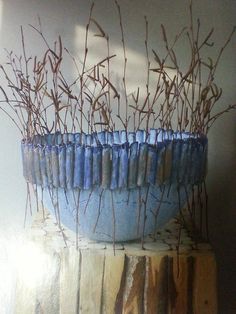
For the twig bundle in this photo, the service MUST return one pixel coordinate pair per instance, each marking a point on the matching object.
(39, 99)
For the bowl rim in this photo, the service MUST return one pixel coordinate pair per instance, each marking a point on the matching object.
(118, 138)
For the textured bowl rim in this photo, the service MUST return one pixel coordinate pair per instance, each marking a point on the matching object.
(115, 160)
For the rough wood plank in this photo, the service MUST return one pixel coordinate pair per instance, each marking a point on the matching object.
(172, 292)
(91, 281)
(134, 281)
(180, 271)
(113, 274)
(204, 294)
(166, 290)
(47, 291)
(162, 286)
(25, 297)
(151, 285)
(69, 280)
(190, 263)
(133, 297)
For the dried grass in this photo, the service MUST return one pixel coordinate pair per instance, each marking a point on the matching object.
(37, 88)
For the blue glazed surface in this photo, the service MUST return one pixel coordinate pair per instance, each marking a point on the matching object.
(84, 173)
(96, 218)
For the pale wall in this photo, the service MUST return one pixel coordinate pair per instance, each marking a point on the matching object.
(64, 17)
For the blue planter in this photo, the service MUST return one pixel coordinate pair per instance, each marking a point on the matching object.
(115, 186)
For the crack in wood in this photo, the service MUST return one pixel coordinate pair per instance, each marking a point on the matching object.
(190, 262)
(120, 295)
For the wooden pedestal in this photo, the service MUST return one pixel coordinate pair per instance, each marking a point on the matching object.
(94, 280)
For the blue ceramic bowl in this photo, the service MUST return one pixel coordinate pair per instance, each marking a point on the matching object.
(115, 186)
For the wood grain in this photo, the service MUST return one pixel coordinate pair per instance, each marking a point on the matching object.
(133, 301)
(94, 280)
(113, 274)
(204, 294)
(69, 280)
(91, 282)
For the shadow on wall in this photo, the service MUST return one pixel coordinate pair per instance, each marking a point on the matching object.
(222, 214)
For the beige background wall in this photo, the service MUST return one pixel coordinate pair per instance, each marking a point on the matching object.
(65, 18)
